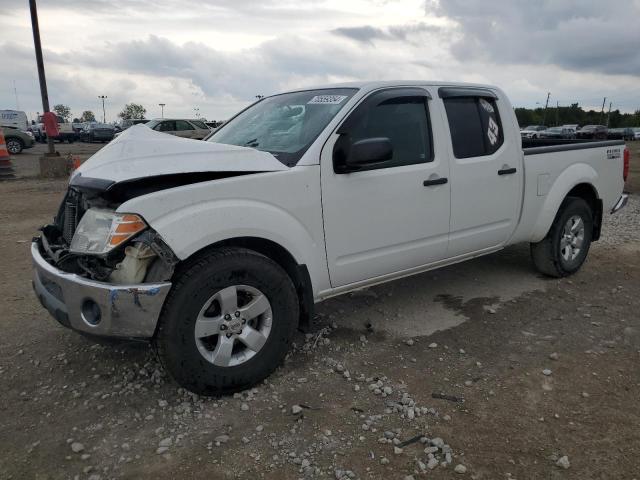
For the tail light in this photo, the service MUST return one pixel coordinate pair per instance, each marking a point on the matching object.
(625, 168)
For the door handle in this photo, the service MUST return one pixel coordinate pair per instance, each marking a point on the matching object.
(507, 171)
(435, 181)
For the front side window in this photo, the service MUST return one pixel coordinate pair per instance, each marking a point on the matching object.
(284, 125)
(475, 126)
(401, 118)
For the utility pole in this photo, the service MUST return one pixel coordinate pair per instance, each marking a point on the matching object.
(608, 114)
(197, 110)
(40, 63)
(104, 116)
(162, 109)
(602, 110)
(15, 92)
(557, 113)
(546, 105)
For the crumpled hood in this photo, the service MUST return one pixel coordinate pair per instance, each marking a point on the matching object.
(140, 152)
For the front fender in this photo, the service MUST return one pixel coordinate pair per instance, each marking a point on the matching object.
(213, 221)
(576, 174)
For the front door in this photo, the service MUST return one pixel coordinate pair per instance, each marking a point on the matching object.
(392, 216)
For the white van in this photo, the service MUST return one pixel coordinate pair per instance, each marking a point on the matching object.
(13, 118)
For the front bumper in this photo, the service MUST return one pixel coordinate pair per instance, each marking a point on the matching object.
(97, 308)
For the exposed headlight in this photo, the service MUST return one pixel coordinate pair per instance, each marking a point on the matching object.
(101, 230)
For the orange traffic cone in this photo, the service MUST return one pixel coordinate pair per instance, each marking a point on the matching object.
(6, 166)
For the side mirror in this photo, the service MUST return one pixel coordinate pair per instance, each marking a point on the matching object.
(370, 152)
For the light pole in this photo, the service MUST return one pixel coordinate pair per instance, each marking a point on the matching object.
(104, 117)
(197, 110)
(162, 109)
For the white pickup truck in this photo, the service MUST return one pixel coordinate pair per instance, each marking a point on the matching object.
(217, 250)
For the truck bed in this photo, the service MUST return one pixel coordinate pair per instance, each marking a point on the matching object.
(533, 146)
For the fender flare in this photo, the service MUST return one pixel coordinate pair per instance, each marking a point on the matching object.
(579, 173)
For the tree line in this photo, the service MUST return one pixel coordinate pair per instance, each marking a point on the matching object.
(132, 111)
(574, 114)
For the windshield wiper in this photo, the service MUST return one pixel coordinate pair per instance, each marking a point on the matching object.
(252, 143)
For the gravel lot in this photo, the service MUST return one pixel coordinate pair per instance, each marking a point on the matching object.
(482, 370)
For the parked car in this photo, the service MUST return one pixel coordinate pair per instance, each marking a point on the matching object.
(78, 126)
(66, 133)
(129, 122)
(558, 132)
(636, 133)
(14, 118)
(532, 131)
(216, 251)
(592, 132)
(621, 134)
(100, 132)
(195, 129)
(17, 140)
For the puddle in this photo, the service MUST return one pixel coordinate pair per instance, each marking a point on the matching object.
(422, 304)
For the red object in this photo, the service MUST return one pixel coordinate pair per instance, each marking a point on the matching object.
(50, 124)
(625, 168)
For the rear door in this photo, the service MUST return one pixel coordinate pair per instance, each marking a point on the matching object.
(390, 217)
(486, 169)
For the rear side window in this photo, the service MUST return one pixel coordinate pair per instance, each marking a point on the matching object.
(182, 125)
(475, 126)
(199, 124)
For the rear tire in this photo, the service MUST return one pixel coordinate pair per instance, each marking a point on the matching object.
(198, 362)
(563, 251)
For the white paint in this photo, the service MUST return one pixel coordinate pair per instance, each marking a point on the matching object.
(379, 225)
(141, 152)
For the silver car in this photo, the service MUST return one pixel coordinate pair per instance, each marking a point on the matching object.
(195, 129)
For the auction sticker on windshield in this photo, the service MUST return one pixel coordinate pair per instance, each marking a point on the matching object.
(327, 99)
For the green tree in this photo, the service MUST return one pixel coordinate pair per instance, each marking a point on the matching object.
(132, 111)
(88, 116)
(62, 111)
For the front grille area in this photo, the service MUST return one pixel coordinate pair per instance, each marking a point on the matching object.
(70, 220)
(71, 214)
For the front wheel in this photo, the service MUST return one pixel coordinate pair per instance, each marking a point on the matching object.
(563, 251)
(14, 146)
(227, 322)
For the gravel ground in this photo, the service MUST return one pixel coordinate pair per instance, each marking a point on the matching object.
(624, 226)
(526, 378)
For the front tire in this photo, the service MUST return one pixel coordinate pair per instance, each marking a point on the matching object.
(14, 146)
(227, 322)
(563, 251)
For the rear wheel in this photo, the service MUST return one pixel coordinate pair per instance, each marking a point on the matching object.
(227, 322)
(563, 251)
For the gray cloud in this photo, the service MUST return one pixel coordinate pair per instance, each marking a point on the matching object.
(367, 34)
(582, 35)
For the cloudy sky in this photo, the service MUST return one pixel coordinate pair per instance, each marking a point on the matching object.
(216, 55)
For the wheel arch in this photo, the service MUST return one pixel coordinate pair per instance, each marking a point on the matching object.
(299, 273)
(579, 180)
(588, 193)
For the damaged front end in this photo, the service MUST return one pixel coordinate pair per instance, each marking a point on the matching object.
(98, 271)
